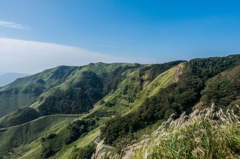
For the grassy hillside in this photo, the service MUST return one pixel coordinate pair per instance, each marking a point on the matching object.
(67, 151)
(58, 142)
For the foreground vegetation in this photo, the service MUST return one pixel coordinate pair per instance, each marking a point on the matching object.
(208, 133)
(202, 134)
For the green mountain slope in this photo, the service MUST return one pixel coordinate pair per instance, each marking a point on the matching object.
(24, 91)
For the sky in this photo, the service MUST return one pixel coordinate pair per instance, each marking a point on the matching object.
(41, 34)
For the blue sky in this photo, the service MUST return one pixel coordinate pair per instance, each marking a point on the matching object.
(32, 32)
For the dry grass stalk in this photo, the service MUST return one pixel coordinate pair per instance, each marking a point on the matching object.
(98, 153)
(208, 132)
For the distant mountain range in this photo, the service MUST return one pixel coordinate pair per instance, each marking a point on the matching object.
(6, 78)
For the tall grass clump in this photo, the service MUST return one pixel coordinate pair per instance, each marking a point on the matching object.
(207, 133)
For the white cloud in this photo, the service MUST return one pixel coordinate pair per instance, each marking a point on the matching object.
(32, 57)
(13, 25)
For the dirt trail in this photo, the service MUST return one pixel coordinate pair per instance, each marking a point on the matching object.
(144, 85)
(37, 110)
(175, 77)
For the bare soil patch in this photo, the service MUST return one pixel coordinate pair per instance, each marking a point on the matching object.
(176, 76)
(37, 110)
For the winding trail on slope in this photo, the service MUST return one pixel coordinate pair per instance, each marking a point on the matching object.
(57, 115)
(175, 77)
